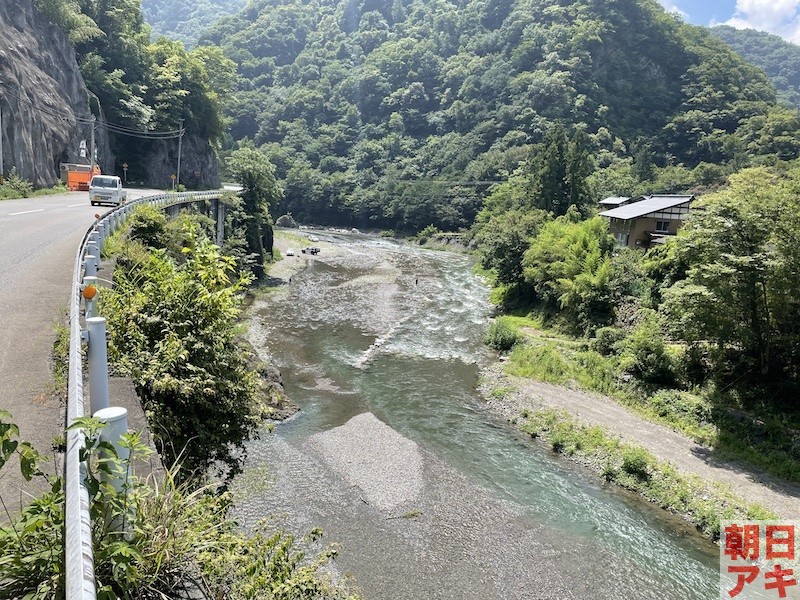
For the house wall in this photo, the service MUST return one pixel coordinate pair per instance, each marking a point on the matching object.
(637, 230)
(619, 229)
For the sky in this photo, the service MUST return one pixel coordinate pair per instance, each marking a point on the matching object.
(781, 17)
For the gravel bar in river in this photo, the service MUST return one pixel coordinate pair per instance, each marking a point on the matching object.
(425, 531)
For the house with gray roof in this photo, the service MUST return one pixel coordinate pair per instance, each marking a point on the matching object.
(648, 221)
(615, 201)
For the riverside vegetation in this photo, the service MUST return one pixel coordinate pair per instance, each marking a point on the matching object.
(700, 334)
(632, 467)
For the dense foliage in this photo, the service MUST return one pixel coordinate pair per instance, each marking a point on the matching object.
(248, 216)
(171, 317)
(741, 291)
(399, 113)
(151, 540)
(779, 59)
(185, 20)
(717, 305)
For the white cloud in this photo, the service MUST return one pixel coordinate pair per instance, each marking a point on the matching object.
(781, 17)
(671, 7)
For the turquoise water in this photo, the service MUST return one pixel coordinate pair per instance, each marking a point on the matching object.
(397, 332)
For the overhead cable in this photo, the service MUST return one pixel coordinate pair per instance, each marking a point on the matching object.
(112, 127)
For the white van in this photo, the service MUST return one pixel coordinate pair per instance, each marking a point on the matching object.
(107, 189)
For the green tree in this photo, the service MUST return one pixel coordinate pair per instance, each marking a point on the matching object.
(559, 171)
(67, 14)
(742, 291)
(252, 169)
(549, 172)
(503, 240)
(569, 267)
(579, 167)
(172, 328)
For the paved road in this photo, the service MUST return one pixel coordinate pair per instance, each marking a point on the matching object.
(39, 239)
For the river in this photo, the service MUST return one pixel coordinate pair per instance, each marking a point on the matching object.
(396, 457)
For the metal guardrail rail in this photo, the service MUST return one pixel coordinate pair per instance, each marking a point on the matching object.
(79, 558)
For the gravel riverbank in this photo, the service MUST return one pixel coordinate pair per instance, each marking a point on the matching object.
(686, 455)
(426, 494)
(424, 530)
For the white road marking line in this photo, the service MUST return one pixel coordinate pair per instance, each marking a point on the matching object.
(74, 205)
(25, 212)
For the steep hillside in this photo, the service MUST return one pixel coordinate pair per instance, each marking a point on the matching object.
(62, 62)
(185, 20)
(43, 97)
(779, 59)
(356, 98)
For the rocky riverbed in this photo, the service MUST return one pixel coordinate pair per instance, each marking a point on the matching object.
(427, 492)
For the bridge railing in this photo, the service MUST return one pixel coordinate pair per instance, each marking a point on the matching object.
(79, 559)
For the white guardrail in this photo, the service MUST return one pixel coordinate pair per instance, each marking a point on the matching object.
(79, 559)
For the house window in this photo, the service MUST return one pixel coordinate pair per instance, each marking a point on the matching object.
(622, 239)
(662, 226)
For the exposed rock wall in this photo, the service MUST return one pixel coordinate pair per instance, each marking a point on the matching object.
(43, 98)
(198, 164)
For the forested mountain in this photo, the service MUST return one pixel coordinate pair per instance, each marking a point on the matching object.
(359, 103)
(185, 20)
(779, 59)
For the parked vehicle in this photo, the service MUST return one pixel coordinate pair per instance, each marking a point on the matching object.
(107, 189)
(311, 250)
(289, 252)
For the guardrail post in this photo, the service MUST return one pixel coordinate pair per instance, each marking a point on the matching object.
(101, 235)
(90, 265)
(93, 249)
(90, 299)
(115, 425)
(98, 363)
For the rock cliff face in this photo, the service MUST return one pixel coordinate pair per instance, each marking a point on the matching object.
(198, 164)
(43, 98)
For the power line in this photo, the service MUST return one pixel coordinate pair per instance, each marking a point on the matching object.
(133, 130)
(444, 181)
(144, 134)
(45, 110)
(112, 127)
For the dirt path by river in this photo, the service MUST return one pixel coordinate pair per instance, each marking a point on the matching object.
(665, 444)
(594, 409)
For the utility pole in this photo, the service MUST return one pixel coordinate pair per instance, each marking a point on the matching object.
(180, 138)
(91, 151)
